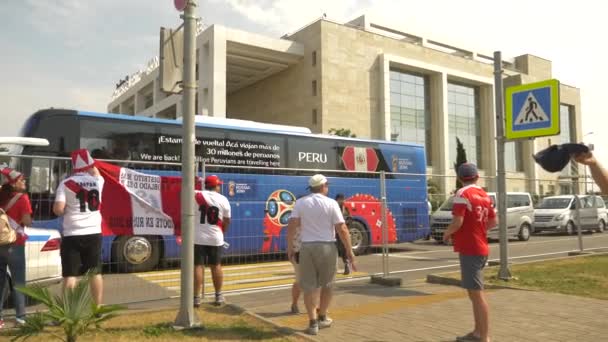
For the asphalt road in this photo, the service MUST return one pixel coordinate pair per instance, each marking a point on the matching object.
(411, 261)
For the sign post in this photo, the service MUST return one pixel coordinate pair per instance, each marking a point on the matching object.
(504, 273)
(532, 110)
(187, 318)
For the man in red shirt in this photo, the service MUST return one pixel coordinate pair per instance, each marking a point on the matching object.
(472, 214)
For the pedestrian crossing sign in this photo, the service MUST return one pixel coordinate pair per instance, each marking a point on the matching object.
(532, 110)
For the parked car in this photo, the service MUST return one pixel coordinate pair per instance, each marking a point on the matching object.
(520, 217)
(42, 257)
(558, 214)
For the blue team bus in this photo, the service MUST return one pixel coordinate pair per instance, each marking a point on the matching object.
(264, 167)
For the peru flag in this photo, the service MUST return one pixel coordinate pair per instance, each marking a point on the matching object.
(359, 158)
(136, 203)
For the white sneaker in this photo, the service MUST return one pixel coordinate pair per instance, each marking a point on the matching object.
(20, 321)
(325, 323)
(219, 299)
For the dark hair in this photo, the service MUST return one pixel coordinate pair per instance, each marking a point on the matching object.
(6, 192)
(339, 197)
(210, 187)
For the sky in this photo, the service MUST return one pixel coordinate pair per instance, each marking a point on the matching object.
(71, 53)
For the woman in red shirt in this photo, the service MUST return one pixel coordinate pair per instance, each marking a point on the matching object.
(16, 203)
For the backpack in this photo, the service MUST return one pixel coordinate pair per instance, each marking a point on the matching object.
(8, 234)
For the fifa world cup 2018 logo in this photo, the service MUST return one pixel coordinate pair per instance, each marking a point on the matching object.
(278, 210)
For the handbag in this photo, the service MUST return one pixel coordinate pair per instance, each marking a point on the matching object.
(8, 234)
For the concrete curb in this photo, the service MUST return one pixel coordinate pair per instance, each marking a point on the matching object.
(444, 279)
(277, 326)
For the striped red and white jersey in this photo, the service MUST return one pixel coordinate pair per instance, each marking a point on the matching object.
(81, 194)
(213, 209)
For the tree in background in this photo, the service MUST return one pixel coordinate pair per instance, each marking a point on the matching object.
(434, 194)
(342, 132)
(461, 158)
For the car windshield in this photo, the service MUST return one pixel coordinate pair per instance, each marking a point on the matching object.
(447, 205)
(554, 203)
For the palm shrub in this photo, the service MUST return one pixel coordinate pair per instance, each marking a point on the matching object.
(73, 311)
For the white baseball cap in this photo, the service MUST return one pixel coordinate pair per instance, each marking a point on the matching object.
(317, 180)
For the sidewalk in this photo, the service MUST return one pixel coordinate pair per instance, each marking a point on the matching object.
(419, 311)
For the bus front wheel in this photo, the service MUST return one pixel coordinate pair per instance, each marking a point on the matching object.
(359, 237)
(137, 253)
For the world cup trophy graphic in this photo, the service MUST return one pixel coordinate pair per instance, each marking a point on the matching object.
(278, 210)
(231, 187)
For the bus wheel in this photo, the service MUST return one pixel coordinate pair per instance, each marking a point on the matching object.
(359, 237)
(137, 253)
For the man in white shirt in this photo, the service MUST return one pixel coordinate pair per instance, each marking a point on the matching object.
(78, 200)
(319, 218)
(209, 242)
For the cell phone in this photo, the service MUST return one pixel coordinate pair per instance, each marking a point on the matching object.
(297, 257)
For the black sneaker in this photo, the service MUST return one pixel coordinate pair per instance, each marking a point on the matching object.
(347, 268)
(197, 301)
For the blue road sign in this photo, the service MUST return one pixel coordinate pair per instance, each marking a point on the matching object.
(532, 110)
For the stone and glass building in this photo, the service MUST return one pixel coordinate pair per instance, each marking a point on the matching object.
(377, 81)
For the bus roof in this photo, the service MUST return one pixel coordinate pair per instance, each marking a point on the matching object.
(232, 124)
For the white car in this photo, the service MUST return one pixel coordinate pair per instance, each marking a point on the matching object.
(558, 214)
(520, 217)
(42, 258)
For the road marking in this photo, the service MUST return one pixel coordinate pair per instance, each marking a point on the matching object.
(374, 308)
(226, 267)
(237, 277)
(516, 244)
(399, 255)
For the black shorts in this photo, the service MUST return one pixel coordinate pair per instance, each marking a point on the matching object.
(79, 254)
(207, 255)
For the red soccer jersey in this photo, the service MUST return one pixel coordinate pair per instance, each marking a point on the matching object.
(16, 212)
(474, 204)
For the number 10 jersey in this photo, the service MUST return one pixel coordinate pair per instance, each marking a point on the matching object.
(213, 208)
(81, 194)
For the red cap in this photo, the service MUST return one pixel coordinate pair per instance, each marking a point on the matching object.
(213, 180)
(82, 160)
(11, 176)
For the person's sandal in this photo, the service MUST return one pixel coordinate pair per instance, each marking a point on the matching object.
(468, 338)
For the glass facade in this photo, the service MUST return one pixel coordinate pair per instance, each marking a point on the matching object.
(410, 113)
(463, 117)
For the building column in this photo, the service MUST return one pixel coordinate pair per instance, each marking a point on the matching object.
(527, 149)
(384, 98)
(488, 160)
(440, 143)
(212, 72)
